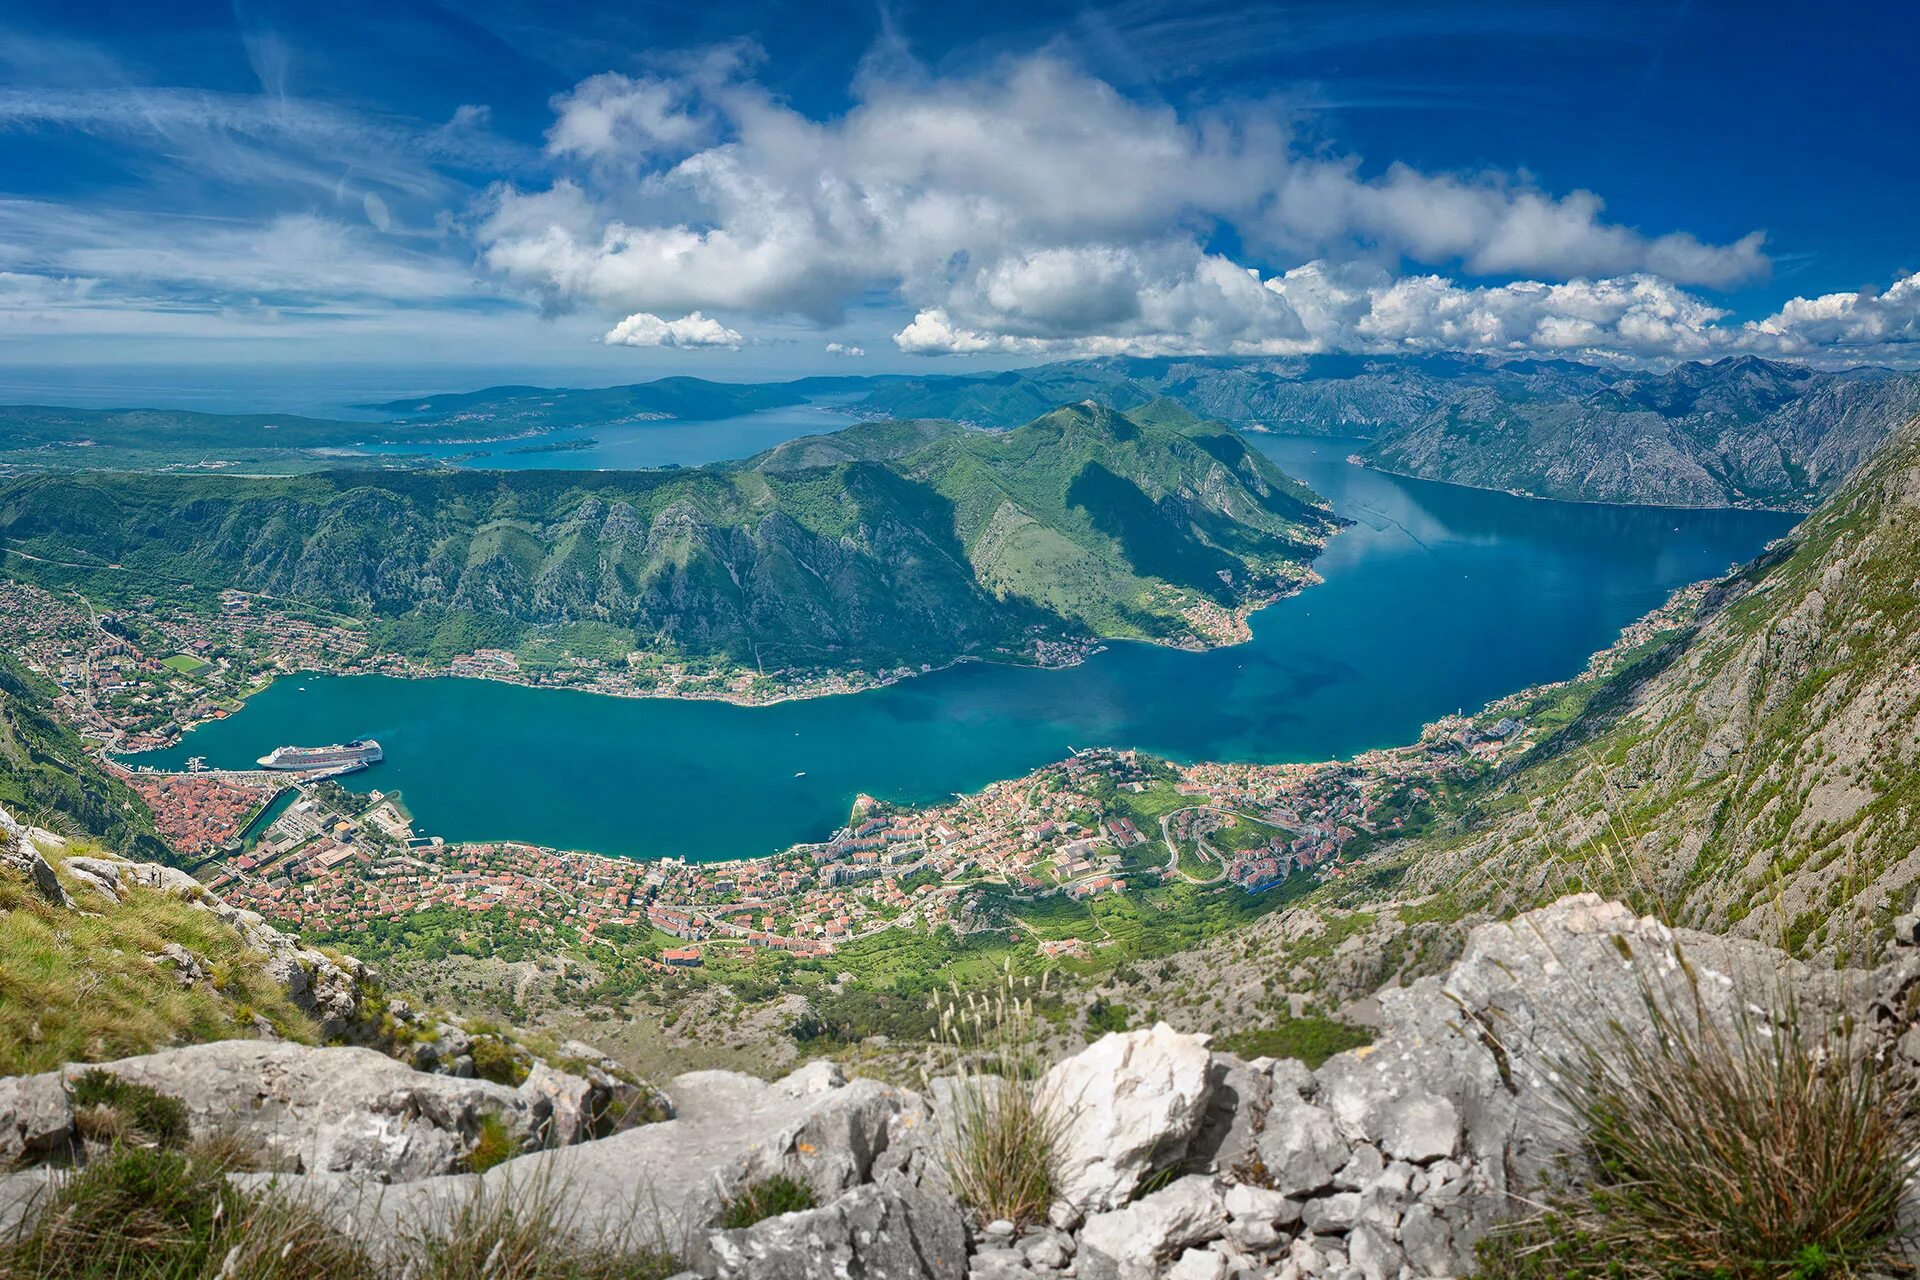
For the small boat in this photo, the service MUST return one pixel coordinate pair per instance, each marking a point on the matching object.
(801, 774)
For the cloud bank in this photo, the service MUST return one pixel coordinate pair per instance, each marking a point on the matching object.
(1033, 209)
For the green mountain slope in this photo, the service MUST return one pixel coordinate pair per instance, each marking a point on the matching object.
(1759, 771)
(47, 778)
(887, 543)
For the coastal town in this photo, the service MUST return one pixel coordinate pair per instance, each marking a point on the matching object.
(333, 862)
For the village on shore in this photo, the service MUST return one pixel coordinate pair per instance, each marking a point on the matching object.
(307, 851)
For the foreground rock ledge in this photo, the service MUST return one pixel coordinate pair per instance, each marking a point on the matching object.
(1389, 1161)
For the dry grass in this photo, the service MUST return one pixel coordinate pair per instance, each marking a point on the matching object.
(151, 1213)
(1003, 1129)
(1764, 1145)
(526, 1233)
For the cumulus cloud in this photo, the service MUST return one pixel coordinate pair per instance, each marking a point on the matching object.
(644, 329)
(1029, 208)
(1868, 323)
(843, 349)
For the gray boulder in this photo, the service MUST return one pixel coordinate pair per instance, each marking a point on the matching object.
(885, 1230)
(1301, 1148)
(1134, 1101)
(17, 853)
(1137, 1241)
(669, 1180)
(340, 1110)
(35, 1117)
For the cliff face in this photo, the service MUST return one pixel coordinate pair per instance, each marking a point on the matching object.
(1759, 772)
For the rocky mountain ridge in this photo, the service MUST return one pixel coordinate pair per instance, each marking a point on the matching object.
(1739, 431)
(1755, 771)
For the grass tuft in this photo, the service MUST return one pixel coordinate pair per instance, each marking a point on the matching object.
(1764, 1148)
(767, 1198)
(493, 1146)
(1004, 1129)
(524, 1233)
(109, 1109)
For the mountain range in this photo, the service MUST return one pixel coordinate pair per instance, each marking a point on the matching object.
(885, 543)
(1740, 431)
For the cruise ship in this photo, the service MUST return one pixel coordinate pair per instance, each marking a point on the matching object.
(357, 754)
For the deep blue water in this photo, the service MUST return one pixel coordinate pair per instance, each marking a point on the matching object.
(1437, 599)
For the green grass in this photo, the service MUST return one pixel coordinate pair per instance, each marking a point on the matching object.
(493, 1145)
(768, 1198)
(1765, 1145)
(185, 664)
(128, 1108)
(1311, 1040)
(79, 987)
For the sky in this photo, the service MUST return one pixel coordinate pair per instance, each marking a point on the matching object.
(602, 192)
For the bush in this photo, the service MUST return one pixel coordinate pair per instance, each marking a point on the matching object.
(1002, 1142)
(1767, 1149)
(122, 1110)
(497, 1060)
(767, 1198)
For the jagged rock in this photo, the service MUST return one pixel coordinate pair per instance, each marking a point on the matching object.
(1134, 1100)
(1301, 1148)
(17, 852)
(885, 1230)
(1135, 1242)
(102, 875)
(1198, 1264)
(340, 1109)
(728, 1130)
(35, 1117)
(1420, 1128)
(1236, 1110)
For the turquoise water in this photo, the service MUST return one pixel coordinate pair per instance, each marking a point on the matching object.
(1437, 599)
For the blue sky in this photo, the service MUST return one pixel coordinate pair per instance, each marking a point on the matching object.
(764, 189)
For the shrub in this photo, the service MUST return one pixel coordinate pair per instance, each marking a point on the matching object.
(111, 1109)
(1763, 1148)
(497, 1060)
(1003, 1129)
(767, 1198)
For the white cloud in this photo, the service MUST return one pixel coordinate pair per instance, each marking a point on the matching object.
(1027, 208)
(1867, 324)
(644, 329)
(843, 349)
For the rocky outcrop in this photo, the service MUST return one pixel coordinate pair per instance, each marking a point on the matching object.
(325, 1110)
(18, 853)
(1386, 1163)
